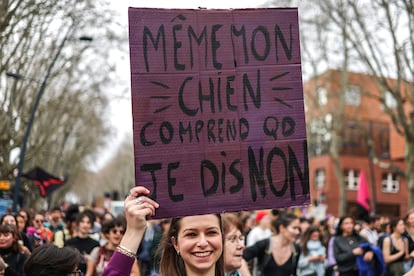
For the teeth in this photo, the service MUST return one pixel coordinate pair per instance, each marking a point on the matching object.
(204, 254)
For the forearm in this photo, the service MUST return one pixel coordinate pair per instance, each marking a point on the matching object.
(393, 257)
(132, 239)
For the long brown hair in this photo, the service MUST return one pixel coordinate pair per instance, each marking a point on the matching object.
(306, 237)
(9, 228)
(171, 263)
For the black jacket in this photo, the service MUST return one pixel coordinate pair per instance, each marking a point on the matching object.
(343, 246)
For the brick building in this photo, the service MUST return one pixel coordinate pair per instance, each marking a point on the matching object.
(363, 119)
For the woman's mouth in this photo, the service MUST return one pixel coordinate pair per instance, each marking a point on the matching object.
(202, 254)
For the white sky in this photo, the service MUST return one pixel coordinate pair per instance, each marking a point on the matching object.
(120, 112)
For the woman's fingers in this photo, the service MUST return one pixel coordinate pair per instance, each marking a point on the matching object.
(137, 191)
(137, 201)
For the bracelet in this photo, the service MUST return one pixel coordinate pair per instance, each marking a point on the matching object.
(123, 250)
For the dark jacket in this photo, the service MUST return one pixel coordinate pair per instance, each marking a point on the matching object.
(343, 246)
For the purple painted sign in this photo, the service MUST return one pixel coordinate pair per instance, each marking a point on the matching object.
(218, 111)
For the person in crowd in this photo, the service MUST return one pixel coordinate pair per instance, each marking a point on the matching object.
(8, 219)
(370, 229)
(48, 259)
(409, 234)
(312, 259)
(279, 254)
(304, 223)
(21, 223)
(247, 219)
(24, 243)
(358, 226)
(37, 233)
(10, 252)
(107, 216)
(331, 267)
(113, 232)
(55, 222)
(27, 218)
(95, 230)
(346, 247)
(261, 230)
(233, 246)
(71, 216)
(395, 248)
(328, 231)
(162, 229)
(193, 245)
(145, 258)
(83, 242)
(70, 226)
(384, 232)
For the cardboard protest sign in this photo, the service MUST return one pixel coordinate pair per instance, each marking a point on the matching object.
(218, 111)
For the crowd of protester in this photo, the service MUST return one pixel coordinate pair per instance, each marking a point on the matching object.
(258, 243)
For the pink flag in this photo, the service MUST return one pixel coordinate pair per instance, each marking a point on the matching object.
(363, 194)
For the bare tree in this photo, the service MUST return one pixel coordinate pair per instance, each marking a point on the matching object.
(381, 37)
(71, 121)
(375, 37)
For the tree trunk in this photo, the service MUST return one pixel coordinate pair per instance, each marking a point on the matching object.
(409, 158)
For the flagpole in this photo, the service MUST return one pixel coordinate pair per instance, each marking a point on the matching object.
(372, 172)
(39, 95)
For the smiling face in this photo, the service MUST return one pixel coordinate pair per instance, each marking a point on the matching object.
(6, 240)
(233, 252)
(200, 243)
(115, 235)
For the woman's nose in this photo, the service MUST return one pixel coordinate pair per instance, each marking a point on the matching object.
(202, 241)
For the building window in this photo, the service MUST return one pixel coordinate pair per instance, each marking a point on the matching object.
(390, 183)
(352, 95)
(322, 96)
(319, 178)
(390, 100)
(351, 179)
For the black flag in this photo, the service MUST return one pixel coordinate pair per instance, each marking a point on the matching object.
(46, 182)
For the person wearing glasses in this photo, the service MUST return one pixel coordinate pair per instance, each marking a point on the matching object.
(37, 233)
(113, 231)
(233, 246)
(48, 259)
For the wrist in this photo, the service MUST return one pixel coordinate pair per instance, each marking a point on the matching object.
(132, 239)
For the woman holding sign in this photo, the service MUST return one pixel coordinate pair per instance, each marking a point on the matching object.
(192, 246)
